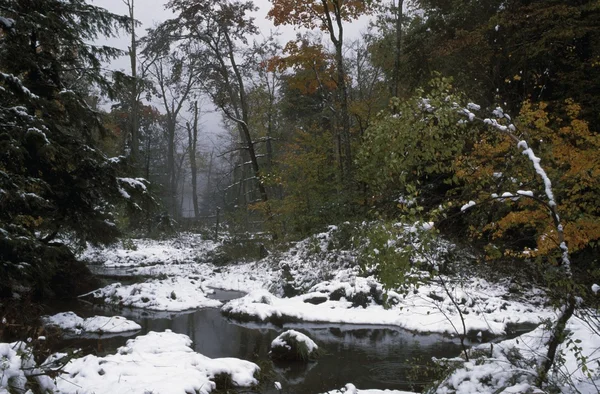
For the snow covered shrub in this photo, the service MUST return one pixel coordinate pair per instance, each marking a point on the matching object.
(392, 251)
(293, 346)
(19, 372)
(312, 261)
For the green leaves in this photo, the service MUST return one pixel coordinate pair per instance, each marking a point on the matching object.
(412, 145)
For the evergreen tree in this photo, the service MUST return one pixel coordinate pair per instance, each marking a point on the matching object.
(53, 183)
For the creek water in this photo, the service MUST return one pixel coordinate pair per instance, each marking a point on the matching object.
(368, 356)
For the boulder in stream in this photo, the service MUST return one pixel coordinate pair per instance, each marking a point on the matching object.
(293, 346)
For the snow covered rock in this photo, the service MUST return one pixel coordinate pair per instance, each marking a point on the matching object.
(161, 363)
(74, 324)
(293, 346)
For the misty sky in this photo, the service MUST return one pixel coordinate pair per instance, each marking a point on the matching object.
(152, 12)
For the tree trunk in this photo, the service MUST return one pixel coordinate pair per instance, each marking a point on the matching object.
(192, 142)
(135, 138)
(342, 89)
(398, 48)
(243, 123)
(172, 192)
(205, 202)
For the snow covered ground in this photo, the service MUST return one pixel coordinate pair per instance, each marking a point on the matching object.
(185, 248)
(511, 365)
(484, 306)
(310, 282)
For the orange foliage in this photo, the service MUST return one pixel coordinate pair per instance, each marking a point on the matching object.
(311, 14)
(314, 67)
(569, 154)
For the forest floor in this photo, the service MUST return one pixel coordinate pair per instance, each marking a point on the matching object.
(310, 282)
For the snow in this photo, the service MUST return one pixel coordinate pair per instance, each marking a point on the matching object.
(187, 248)
(351, 389)
(35, 130)
(277, 385)
(182, 276)
(528, 193)
(280, 341)
(595, 288)
(473, 106)
(427, 309)
(7, 23)
(171, 294)
(467, 206)
(16, 81)
(512, 364)
(158, 363)
(124, 193)
(69, 321)
(319, 273)
(538, 168)
(137, 183)
(17, 363)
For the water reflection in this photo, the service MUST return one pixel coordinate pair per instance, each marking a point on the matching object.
(368, 356)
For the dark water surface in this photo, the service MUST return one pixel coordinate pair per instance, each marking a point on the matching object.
(369, 356)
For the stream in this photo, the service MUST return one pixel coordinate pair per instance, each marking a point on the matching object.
(368, 356)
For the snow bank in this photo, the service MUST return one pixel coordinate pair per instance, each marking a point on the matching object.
(69, 321)
(351, 389)
(161, 363)
(485, 306)
(171, 294)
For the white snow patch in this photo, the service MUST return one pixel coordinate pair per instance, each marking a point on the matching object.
(171, 294)
(69, 321)
(467, 206)
(157, 362)
(528, 193)
(498, 368)
(425, 309)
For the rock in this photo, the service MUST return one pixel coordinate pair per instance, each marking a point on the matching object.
(293, 346)
(315, 300)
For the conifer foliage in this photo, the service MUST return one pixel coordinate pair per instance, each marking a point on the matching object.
(53, 182)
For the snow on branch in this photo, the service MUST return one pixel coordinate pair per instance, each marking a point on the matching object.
(509, 130)
(16, 84)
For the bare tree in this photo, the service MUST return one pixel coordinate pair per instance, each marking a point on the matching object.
(216, 28)
(176, 77)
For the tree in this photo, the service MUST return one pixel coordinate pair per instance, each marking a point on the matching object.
(410, 148)
(509, 52)
(53, 181)
(176, 76)
(192, 145)
(327, 15)
(215, 29)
